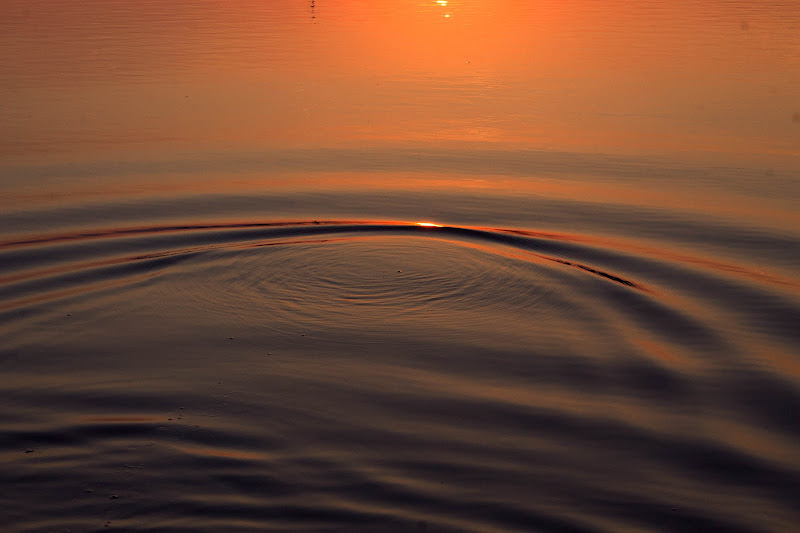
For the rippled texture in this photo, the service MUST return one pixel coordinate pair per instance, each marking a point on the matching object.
(369, 374)
(398, 266)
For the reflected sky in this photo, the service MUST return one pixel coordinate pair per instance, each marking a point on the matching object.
(648, 77)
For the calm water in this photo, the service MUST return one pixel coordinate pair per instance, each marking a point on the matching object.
(400, 265)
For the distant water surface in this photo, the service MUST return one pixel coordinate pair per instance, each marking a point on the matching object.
(398, 266)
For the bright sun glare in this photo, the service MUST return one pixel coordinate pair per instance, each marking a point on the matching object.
(428, 224)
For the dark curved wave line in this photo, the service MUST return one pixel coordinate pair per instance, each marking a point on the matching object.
(529, 243)
(144, 230)
(668, 255)
(514, 237)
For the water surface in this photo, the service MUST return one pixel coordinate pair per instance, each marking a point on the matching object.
(392, 266)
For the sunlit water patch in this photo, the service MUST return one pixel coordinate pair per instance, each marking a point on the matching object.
(392, 375)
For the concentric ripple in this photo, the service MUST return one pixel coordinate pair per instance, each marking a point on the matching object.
(389, 375)
(371, 283)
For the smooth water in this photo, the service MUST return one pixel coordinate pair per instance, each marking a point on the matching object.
(399, 266)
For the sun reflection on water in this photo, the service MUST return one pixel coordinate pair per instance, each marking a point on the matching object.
(443, 3)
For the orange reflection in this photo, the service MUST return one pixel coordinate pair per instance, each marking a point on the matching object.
(227, 453)
(132, 419)
(567, 75)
